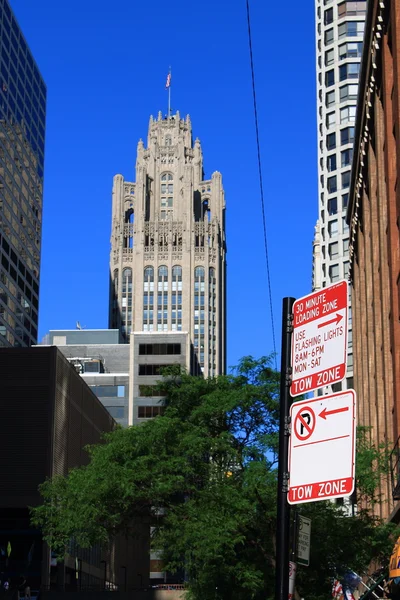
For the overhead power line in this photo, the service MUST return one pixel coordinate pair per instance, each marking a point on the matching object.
(261, 180)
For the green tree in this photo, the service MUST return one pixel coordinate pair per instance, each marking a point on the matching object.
(208, 465)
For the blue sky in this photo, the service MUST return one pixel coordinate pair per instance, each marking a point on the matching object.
(105, 65)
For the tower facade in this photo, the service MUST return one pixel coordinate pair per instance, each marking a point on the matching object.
(22, 131)
(167, 262)
(339, 38)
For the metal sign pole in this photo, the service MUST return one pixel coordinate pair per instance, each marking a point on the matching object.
(283, 508)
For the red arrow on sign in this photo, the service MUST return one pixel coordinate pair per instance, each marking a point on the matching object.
(336, 320)
(325, 413)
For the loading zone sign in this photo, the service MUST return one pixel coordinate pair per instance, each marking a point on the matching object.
(319, 340)
(322, 448)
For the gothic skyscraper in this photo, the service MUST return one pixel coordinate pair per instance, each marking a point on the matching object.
(167, 262)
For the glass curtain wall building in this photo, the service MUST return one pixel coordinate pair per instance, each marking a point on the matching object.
(339, 39)
(22, 133)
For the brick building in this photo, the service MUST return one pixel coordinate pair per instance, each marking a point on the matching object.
(374, 217)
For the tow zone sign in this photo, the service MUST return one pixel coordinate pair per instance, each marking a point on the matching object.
(319, 341)
(322, 448)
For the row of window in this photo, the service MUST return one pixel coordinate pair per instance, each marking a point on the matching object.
(334, 271)
(332, 182)
(347, 115)
(148, 412)
(148, 391)
(108, 391)
(347, 71)
(333, 205)
(159, 349)
(346, 93)
(346, 156)
(350, 8)
(346, 137)
(152, 369)
(349, 50)
(347, 29)
(333, 228)
(333, 249)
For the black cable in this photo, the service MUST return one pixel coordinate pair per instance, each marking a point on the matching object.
(261, 180)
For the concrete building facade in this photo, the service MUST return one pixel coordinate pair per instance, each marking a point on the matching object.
(339, 42)
(168, 248)
(22, 133)
(374, 217)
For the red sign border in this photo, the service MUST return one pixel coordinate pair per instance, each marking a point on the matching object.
(354, 416)
(341, 364)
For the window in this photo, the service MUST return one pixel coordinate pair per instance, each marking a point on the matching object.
(347, 135)
(352, 8)
(332, 184)
(334, 273)
(148, 391)
(349, 71)
(333, 228)
(346, 157)
(108, 391)
(349, 342)
(168, 140)
(199, 307)
(151, 369)
(328, 36)
(351, 29)
(328, 16)
(350, 361)
(117, 412)
(160, 349)
(126, 309)
(333, 250)
(330, 119)
(148, 299)
(331, 162)
(162, 299)
(347, 114)
(332, 206)
(149, 412)
(346, 179)
(345, 226)
(345, 201)
(167, 190)
(348, 92)
(330, 78)
(350, 50)
(346, 247)
(176, 299)
(329, 57)
(331, 141)
(329, 99)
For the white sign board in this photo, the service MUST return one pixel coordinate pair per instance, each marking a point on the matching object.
(322, 448)
(303, 541)
(319, 340)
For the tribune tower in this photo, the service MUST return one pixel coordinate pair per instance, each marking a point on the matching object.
(168, 249)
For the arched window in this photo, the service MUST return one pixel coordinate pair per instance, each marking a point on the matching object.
(148, 299)
(129, 220)
(168, 140)
(176, 299)
(212, 317)
(114, 307)
(167, 190)
(162, 299)
(199, 314)
(206, 211)
(126, 306)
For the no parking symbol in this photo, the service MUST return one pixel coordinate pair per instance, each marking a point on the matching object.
(304, 423)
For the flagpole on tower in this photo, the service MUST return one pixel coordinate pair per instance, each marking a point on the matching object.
(168, 86)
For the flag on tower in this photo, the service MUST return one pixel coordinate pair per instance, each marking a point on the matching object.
(168, 82)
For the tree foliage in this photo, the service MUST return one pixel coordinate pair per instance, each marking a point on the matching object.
(208, 465)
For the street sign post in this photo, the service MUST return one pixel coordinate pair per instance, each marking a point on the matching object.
(319, 344)
(322, 448)
(303, 541)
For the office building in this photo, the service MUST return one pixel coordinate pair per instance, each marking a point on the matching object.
(339, 39)
(374, 216)
(167, 262)
(22, 132)
(49, 416)
(103, 362)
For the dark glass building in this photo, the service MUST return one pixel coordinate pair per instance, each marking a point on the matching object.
(22, 132)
